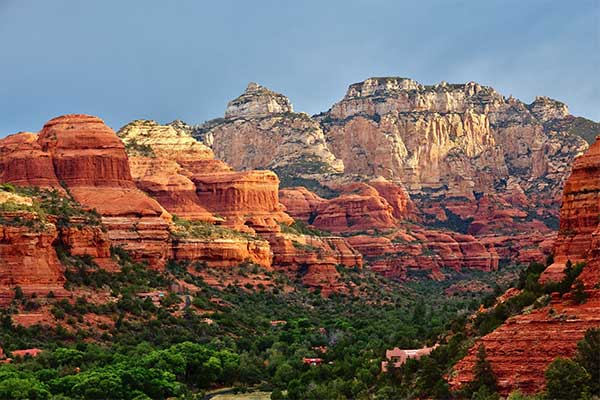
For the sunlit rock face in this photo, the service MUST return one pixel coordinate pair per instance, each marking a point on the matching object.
(523, 346)
(182, 175)
(456, 156)
(457, 140)
(260, 130)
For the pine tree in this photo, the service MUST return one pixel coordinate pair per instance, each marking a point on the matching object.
(588, 356)
(568, 269)
(565, 379)
(578, 292)
(483, 375)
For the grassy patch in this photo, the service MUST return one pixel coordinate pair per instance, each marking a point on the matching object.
(185, 229)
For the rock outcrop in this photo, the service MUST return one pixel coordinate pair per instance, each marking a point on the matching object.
(193, 185)
(580, 208)
(378, 204)
(183, 176)
(457, 140)
(23, 162)
(27, 257)
(258, 101)
(522, 347)
(79, 153)
(260, 130)
(223, 253)
(458, 157)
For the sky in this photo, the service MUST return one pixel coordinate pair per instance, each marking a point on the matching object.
(154, 59)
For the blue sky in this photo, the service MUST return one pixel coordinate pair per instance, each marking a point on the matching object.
(164, 60)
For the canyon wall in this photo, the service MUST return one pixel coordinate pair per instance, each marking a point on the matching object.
(522, 347)
(452, 159)
(193, 185)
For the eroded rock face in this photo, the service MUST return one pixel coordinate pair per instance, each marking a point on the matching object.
(378, 204)
(81, 239)
(223, 253)
(301, 203)
(449, 156)
(314, 259)
(183, 176)
(195, 186)
(244, 198)
(424, 250)
(27, 258)
(523, 346)
(580, 208)
(24, 163)
(455, 139)
(260, 130)
(360, 207)
(83, 154)
(172, 141)
(258, 101)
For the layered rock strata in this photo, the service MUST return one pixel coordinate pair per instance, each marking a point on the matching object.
(260, 130)
(521, 348)
(195, 186)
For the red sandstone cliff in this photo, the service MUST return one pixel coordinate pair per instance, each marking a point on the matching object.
(195, 186)
(521, 348)
(81, 154)
(27, 257)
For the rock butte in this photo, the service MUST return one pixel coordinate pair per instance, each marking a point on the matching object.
(452, 156)
(260, 130)
(79, 153)
(523, 346)
(28, 259)
(418, 177)
(193, 185)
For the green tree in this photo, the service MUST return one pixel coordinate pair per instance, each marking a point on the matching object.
(588, 356)
(99, 385)
(483, 393)
(18, 388)
(566, 380)
(578, 292)
(284, 374)
(483, 375)
(568, 269)
(19, 293)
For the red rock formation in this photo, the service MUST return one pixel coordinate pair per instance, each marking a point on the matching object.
(221, 253)
(314, 259)
(359, 208)
(301, 203)
(86, 156)
(424, 250)
(364, 208)
(85, 152)
(82, 239)
(247, 198)
(24, 163)
(521, 348)
(581, 208)
(28, 259)
(164, 181)
(397, 197)
(183, 176)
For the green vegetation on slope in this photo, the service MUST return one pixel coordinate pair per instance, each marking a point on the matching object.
(196, 339)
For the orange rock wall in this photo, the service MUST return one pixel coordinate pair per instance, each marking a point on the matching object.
(522, 347)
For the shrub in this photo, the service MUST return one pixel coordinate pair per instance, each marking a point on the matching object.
(565, 379)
